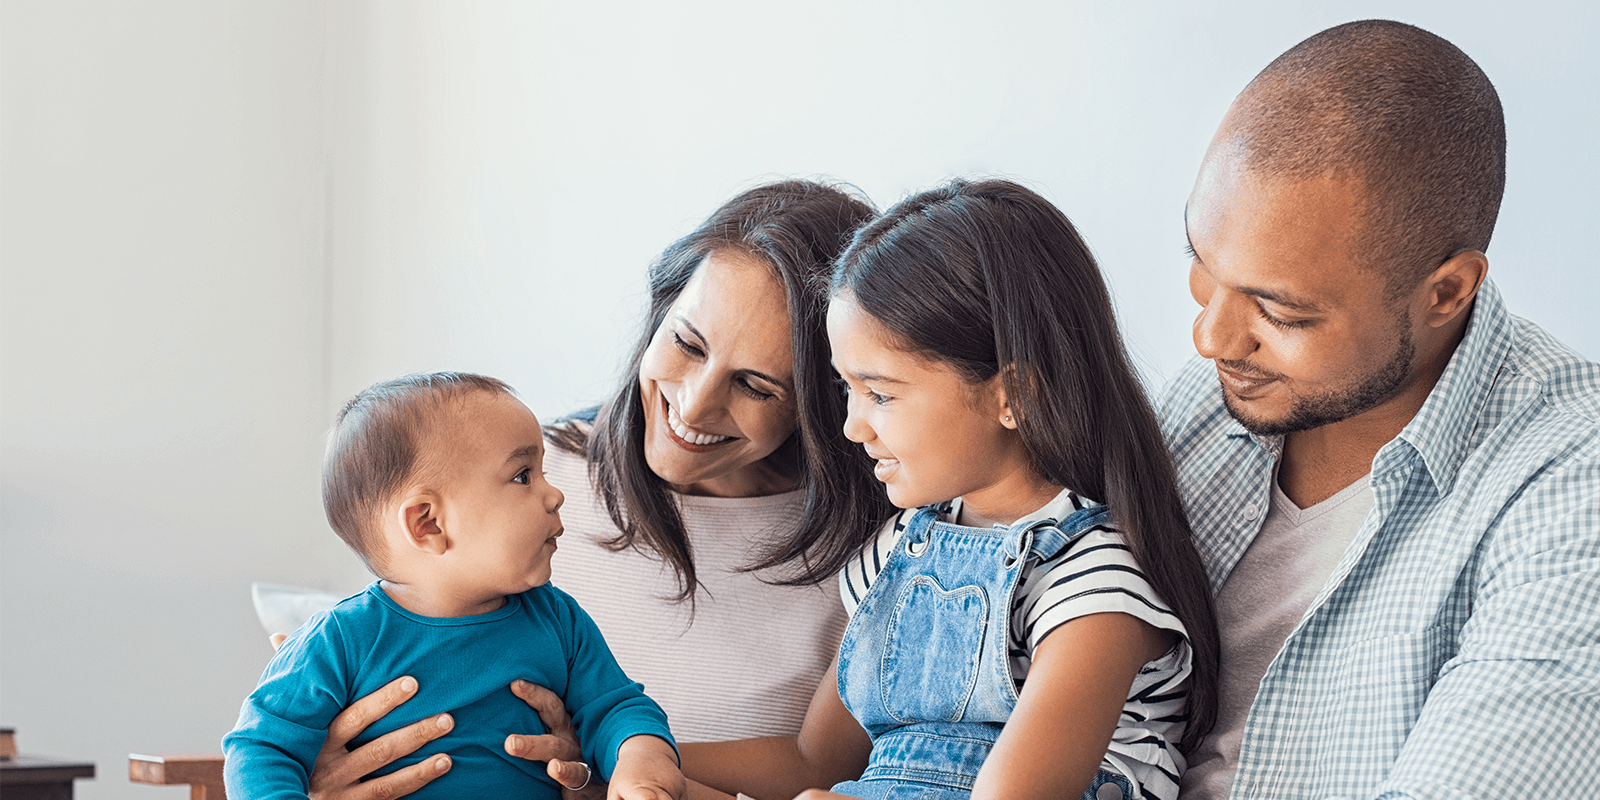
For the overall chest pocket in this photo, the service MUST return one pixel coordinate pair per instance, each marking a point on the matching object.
(933, 648)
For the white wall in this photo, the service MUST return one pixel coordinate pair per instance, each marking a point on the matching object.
(162, 346)
(219, 219)
(535, 152)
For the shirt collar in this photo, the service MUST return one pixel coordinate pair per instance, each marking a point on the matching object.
(1059, 508)
(1441, 432)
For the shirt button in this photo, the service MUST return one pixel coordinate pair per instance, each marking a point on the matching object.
(1108, 791)
(1250, 511)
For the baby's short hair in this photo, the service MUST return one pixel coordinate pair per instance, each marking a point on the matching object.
(374, 449)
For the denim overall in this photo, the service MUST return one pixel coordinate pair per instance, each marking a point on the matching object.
(925, 664)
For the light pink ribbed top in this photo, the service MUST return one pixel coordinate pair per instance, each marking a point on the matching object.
(749, 659)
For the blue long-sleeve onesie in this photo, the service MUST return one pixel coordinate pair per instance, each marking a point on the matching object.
(463, 665)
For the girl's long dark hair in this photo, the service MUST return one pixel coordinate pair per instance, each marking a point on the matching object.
(796, 227)
(991, 279)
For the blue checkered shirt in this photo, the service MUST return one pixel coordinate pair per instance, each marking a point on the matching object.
(1455, 650)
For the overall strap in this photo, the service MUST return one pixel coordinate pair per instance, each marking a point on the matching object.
(1045, 538)
(916, 535)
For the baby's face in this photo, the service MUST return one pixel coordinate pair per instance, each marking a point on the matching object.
(501, 515)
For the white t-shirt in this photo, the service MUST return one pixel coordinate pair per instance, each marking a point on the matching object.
(1097, 574)
(746, 659)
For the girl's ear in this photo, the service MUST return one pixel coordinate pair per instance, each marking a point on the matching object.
(1002, 404)
(423, 524)
(1007, 419)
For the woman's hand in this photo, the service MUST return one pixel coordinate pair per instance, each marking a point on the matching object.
(339, 771)
(559, 748)
(831, 747)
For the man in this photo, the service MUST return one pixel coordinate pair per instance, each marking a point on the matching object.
(1395, 484)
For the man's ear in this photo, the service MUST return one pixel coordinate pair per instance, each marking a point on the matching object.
(423, 524)
(1451, 288)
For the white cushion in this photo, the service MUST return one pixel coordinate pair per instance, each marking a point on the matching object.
(282, 609)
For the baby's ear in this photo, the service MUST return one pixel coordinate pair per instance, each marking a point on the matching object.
(421, 521)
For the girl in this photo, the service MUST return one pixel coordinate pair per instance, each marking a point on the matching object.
(1036, 624)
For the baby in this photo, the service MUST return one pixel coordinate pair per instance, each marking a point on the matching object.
(436, 482)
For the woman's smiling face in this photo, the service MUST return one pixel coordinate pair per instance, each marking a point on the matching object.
(717, 381)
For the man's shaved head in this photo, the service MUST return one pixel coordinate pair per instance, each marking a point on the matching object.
(1403, 115)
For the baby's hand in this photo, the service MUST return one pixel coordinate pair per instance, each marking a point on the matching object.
(647, 769)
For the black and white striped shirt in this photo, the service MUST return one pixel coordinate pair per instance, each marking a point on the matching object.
(1097, 574)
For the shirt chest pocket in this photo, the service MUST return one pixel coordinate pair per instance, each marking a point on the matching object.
(933, 648)
(1389, 676)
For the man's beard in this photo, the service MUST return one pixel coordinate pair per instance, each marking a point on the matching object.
(1306, 413)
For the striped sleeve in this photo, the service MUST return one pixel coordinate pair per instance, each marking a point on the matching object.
(1094, 576)
(1098, 574)
(865, 568)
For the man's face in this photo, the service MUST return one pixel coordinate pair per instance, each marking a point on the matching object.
(1301, 334)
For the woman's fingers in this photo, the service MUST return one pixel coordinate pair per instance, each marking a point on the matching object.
(547, 747)
(355, 719)
(574, 773)
(390, 746)
(277, 640)
(396, 784)
(552, 712)
(338, 771)
(570, 774)
(559, 747)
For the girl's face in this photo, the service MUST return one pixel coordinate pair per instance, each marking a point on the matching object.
(717, 382)
(935, 435)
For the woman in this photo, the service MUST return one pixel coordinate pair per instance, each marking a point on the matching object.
(1010, 637)
(717, 464)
